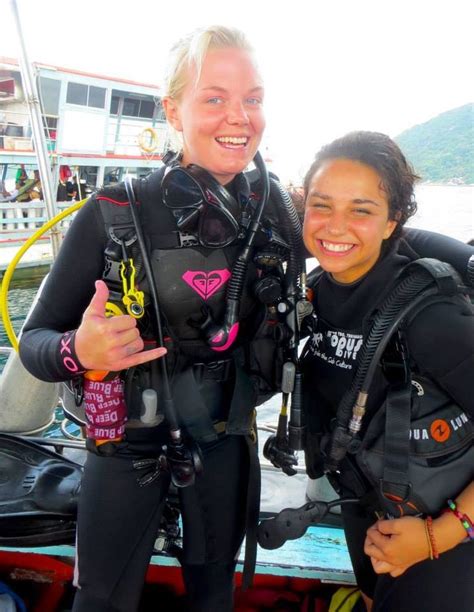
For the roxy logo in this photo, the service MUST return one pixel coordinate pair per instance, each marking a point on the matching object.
(66, 353)
(206, 283)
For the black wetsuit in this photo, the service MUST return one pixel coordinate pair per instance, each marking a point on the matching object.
(118, 518)
(441, 345)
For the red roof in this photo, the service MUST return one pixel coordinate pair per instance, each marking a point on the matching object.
(14, 62)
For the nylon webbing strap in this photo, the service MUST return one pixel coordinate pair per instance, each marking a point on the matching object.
(397, 440)
(252, 514)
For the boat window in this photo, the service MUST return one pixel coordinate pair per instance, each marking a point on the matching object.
(133, 107)
(76, 94)
(96, 97)
(114, 104)
(146, 108)
(49, 90)
(85, 95)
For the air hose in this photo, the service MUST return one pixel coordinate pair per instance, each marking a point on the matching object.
(410, 294)
(290, 436)
(220, 338)
(7, 277)
(293, 231)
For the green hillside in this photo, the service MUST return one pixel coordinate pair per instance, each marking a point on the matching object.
(442, 149)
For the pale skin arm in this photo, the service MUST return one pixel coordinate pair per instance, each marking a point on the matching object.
(397, 544)
(111, 344)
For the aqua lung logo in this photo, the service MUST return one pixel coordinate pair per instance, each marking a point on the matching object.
(439, 430)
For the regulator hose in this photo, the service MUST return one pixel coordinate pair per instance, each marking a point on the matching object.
(296, 299)
(294, 232)
(220, 338)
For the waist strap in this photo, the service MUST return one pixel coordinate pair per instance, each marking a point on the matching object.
(252, 513)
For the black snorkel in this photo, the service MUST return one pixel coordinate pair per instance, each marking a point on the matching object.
(183, 462)
(221, 337)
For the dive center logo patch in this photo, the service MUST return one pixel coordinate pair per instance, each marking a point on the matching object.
(206, 283)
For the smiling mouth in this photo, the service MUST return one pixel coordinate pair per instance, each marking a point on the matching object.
(233, 141)
(336, 247)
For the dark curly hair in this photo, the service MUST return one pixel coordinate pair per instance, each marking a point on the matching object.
(382, 154)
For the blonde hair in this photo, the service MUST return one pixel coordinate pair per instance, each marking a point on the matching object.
(191, 50)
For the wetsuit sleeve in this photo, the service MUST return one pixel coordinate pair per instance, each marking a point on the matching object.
(438, 246)
(441, 341)
(47, 340)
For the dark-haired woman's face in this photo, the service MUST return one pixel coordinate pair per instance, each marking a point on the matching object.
(346, 218)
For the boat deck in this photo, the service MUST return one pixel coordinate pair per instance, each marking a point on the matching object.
(321, 554)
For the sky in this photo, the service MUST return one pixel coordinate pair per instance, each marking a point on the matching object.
(329, 67)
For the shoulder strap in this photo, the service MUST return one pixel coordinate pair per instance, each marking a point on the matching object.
(314, 277)
(420, 283)
(395, 484)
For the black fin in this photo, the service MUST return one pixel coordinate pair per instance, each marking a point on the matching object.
(39, 490)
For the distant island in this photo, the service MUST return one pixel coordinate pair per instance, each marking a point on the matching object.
(442, 149)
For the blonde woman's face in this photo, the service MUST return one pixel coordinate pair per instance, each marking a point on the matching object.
(221, 116)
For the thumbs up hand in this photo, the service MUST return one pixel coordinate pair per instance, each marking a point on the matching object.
(110, 343)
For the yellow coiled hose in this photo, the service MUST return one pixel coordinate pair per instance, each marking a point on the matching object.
(11, 268)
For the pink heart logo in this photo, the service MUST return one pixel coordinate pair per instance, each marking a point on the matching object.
(206, 283)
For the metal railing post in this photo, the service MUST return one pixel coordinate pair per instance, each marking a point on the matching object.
(32, 99)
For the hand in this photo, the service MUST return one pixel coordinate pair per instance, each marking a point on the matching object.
(395, 545)
(110, 343)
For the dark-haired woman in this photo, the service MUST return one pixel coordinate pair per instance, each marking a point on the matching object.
(358, 195)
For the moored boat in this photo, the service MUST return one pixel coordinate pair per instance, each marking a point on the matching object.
(97, 129)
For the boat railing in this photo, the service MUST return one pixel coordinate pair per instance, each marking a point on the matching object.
(16, 133)
(16, 217)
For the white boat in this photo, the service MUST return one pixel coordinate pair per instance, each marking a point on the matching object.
(97, 129)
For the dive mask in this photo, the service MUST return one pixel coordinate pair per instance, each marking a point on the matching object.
(203, 207)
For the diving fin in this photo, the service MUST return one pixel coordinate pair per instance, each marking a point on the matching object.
(39, 491)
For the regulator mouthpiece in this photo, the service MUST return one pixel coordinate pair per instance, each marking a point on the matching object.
(220, 338)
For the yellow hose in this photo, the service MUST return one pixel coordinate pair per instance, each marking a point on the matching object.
(11, 268)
